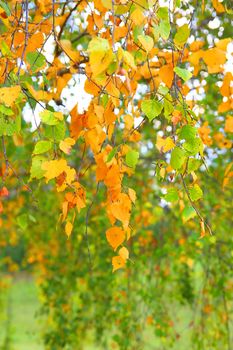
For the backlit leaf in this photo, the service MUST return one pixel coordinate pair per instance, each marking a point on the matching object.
(117, 263)
(131, 158)
(195, 193)
(115, 236)
(178, 157)
(151, 108)
(42, 147)
(183, 73)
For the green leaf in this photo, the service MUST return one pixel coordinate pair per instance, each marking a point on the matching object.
(36, 60)
(5, 7)
(6, 110)
(49, 117)
(155, 32)
(162, 13)
(131, 158)
(183, 73)
(164, 29)
(188, 213)
(36, 171)
(182, 35)
(137, 30)
(112, 154)
(178, 157)
(22, 221)
(168, 107)
(151, 108)
(163, 90)
(6, 51)
(42, 147)
(195, 193)
(171, 195)
(8, 126)
(98, 44)
(187, 132)
(193, 146)
(56, 132)
(193, 164)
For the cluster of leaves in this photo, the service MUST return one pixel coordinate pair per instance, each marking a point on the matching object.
(160, 115)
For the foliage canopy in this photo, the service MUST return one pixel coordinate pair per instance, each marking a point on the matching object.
(140, 175)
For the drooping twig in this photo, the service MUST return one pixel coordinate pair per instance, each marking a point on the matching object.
(9, 166)
(194, 206)
(86, 225)
(26, 37)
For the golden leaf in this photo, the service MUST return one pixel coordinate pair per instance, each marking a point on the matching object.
(68, 228)
(115, 236)
(117, 263)
(8, 95)
(66, 145)
(164, 145)
(124, 253)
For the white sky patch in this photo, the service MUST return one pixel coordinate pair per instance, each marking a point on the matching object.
(214, 24)
(72, 95)
(32, 117)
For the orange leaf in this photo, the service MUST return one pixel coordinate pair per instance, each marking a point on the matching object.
(4, 192)
(166, 74)
(218, 6)
(229, 124)
(115, 236)
(68, 228)
(225, 89)
(117, 263)
(121, 209)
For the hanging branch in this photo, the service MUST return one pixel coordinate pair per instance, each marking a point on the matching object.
(26, 38)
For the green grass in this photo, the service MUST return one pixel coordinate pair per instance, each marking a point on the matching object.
(18, 307)
(19, 328)
(18, 321)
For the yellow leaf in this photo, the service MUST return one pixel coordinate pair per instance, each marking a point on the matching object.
(115, 236)
(60, 170)
(124, 253)
(147, 42)
(223, 43)
(202, 229)
(68, 228)
(132, 195)
(126, 57)
(64, 210)
(69, 51)
(117, 263)
(129, 121)
(214, 59)
(100, 61)
(137, 17)
(121, 209)
(164, 145)
(66, 145)
(8, 95)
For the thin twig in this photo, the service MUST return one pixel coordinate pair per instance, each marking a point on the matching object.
(26, 38)
(86, 225)
(194, 206)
